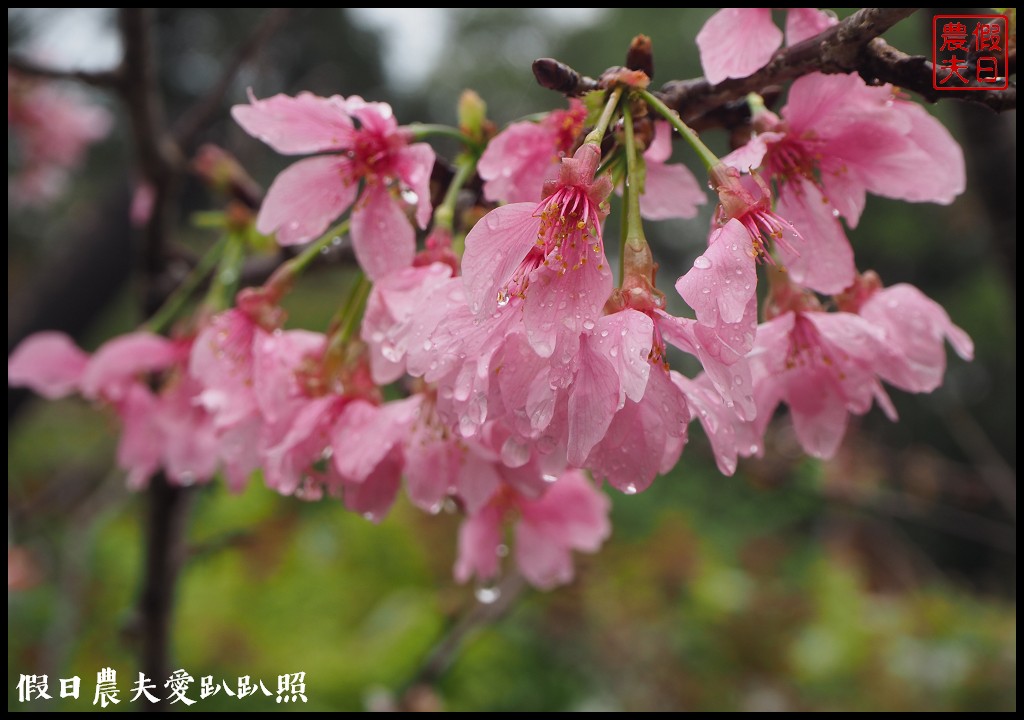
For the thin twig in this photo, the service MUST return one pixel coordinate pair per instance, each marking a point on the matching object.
(96, 78)
(443, 654)
(199, 115)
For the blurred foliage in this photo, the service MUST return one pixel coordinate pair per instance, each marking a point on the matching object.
(885, 580)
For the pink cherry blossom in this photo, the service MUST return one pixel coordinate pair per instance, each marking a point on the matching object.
(49, 363)
(736, 42)
(824, 366)
(838, 139)
(550, 255)
(570, 515)
(52, 127)
(305, 198)
(721, 287)
(520, 158)
(914, 325)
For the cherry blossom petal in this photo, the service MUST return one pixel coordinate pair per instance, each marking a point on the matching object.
(736, 42)
(296, 125)
(47, 362)
(413, 164)
(825, 262)
(723, 280)
(118, 363)
(382, 238)
(306, 198)
(495, 247)
(804, 23)
(479, 538)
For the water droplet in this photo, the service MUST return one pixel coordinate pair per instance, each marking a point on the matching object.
(588, 324)
(435, 508)
(427, 344)
(614, 351)
(187, 478)
(487, 594)
(372, 517)
(702, 263)
(835, 213)
(754, 449)
(503, 298)
(410, 197)
(630, 489)
(549, 478)
(501, 550)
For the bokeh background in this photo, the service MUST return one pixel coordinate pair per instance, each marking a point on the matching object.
(883, 580)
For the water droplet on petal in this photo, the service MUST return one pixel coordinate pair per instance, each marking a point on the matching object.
(630, 489)
(487, 594)
(549, 478)
(588, 324)
(702, 263)
(501, 550)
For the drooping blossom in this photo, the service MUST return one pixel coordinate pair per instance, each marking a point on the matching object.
(570, 515)
(523, 156)
(305, 198)
(736, 42)
(52, 127)
(551, 255)
(836, 140)
(914, 325)
(823, 365)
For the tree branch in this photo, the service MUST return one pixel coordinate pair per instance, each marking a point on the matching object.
(96, 78)
(850, 46)
(192, 122)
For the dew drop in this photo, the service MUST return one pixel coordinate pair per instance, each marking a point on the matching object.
(427, 344)
(549, 478)
(702, 263)
(487, 594)
(588, 324)
(501, 550)
(630, 489)
(835, 213)
(370, 516)
(410, 197)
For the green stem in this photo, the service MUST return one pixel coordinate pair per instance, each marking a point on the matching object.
(597, 134)
(422, 131)
(299, 263)
(707, 157)
(444, 215)
(634, 228)
(351, 312)
(225, 281)
(357, 303)
(163, 317)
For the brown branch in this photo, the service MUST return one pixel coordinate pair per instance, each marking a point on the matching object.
(97, 78)
(163, 168)
(850, 46)
(192, 122)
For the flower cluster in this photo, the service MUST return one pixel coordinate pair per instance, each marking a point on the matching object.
(521, 361)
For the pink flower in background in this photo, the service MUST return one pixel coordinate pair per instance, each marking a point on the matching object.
(670, 191)
(838, 139)
(570, 515)
(165, 429)
(520, 158)
(550, 255)
(48, 363)
(52, 127)
(736, 42)
(305, 198)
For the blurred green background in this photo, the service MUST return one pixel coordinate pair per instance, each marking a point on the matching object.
(884, 580)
